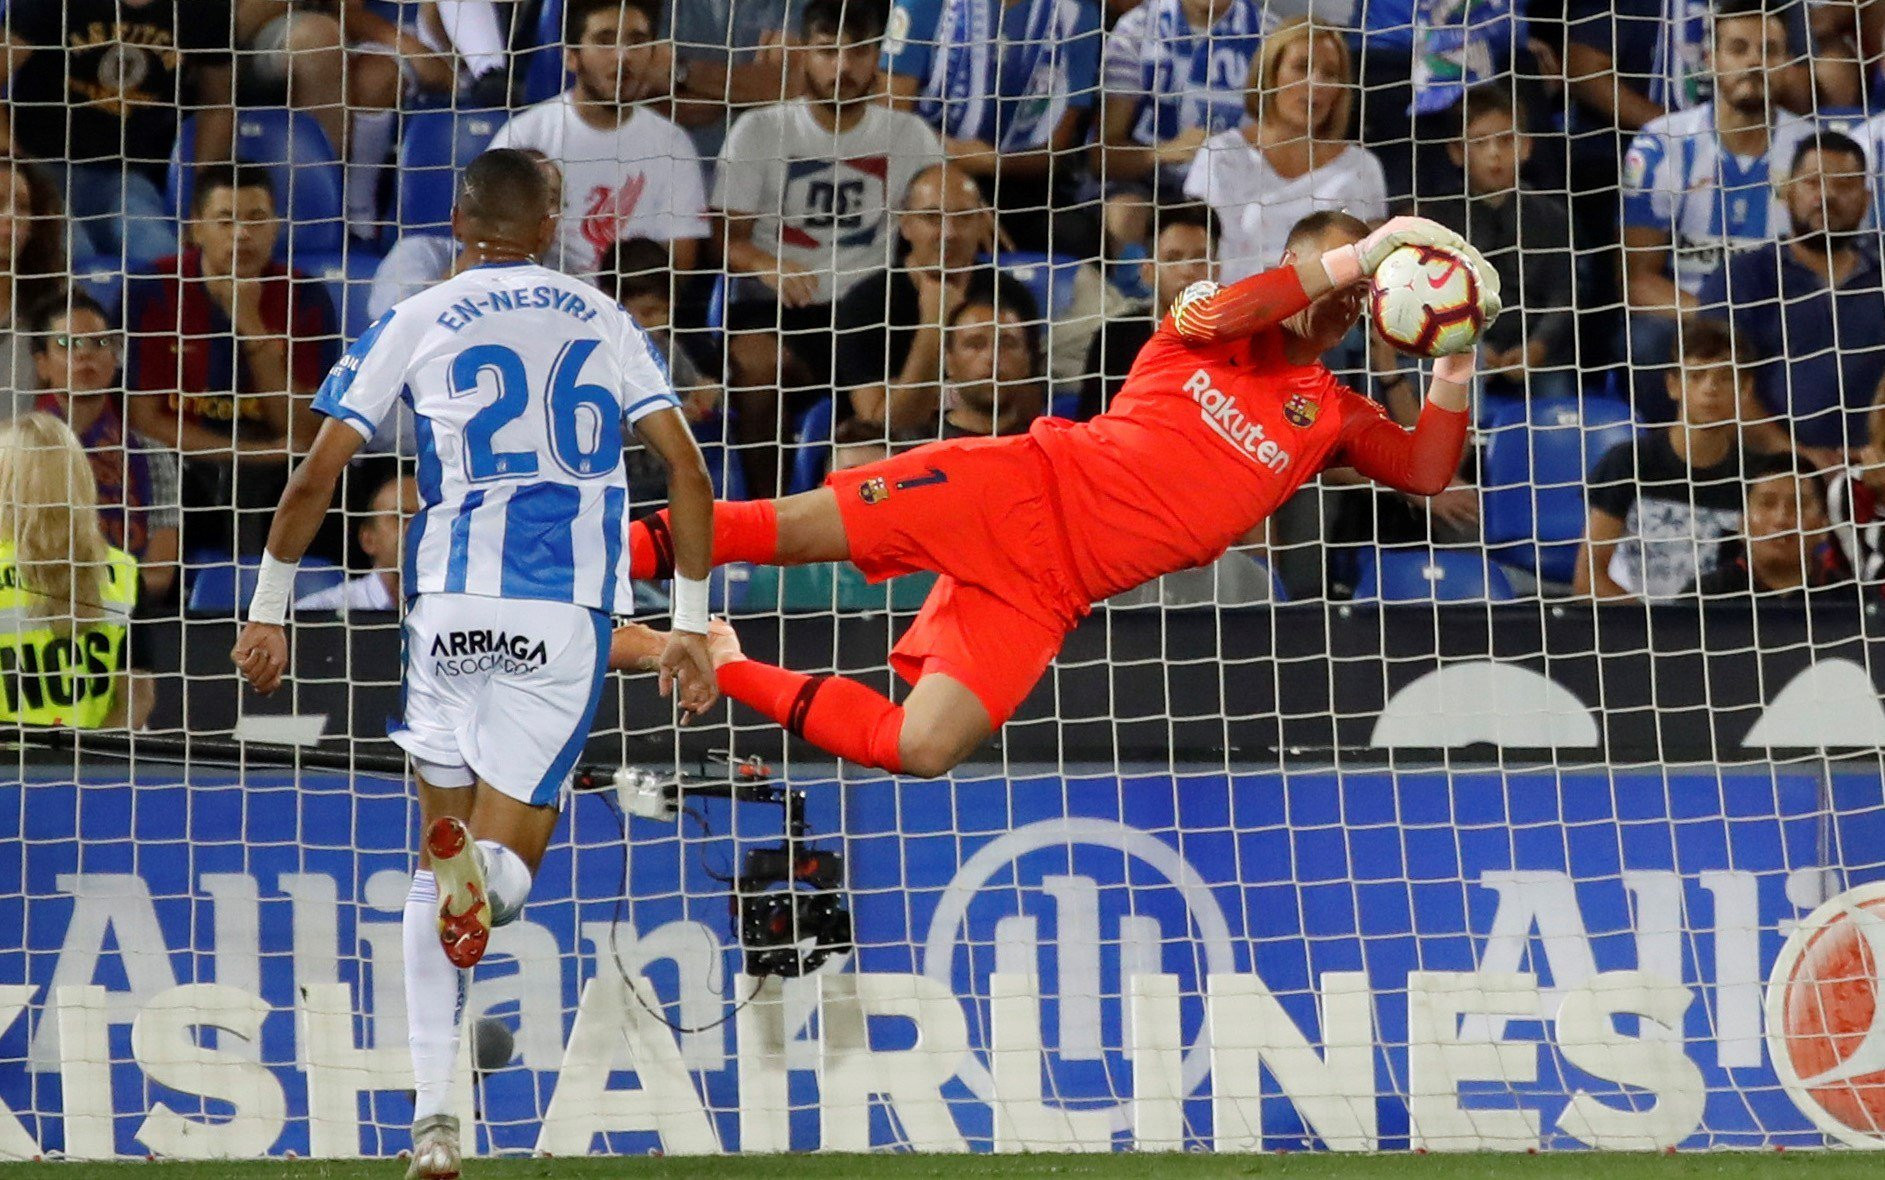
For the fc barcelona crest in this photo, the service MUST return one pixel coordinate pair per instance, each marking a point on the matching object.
(1301, 410)
(873, 490)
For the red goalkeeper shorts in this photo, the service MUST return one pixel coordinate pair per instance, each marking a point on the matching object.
(982, 514)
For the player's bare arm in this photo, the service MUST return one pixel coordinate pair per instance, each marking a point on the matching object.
(261, 651)
(684, 659)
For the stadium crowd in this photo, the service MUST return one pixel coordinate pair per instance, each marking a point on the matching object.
(878, 224)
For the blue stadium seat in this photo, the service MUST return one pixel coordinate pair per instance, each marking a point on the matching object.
(434, 144)
(349, 279)
(814, 447)
(1048, 277)
(221, 584)
(1536, 461)
(302, 166)
(1431, 575)
(543, 72)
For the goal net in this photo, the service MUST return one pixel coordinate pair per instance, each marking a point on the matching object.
(1542, 813)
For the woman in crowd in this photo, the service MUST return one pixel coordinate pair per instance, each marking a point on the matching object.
(32, 266)
(1293, 157)
(76, 352)
(66, 595)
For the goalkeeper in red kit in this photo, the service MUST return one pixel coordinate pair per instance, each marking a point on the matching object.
(1227, 411)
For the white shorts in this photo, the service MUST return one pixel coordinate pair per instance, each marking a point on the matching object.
(501, 689)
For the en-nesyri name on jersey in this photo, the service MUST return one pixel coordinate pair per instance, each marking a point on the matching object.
(520, 381)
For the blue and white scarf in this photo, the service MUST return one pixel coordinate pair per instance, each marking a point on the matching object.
(1457, 45)
(1013, 101)
(1680, 77)
(1195, 79)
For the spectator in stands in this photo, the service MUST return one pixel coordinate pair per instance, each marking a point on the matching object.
(381, 541)
(76, 350)
(1293, 157)
(66, 594)
(95, 87)
(1174, 74)
(889, 346)
(1812, 308)
(1702, 182)
(1180, 256)
(348, 66)
(417, 261)
(1526, 235)
(1629, 62)
(228, 346)
(1661, 504)
(1855, 500)
(635, 274)
(226, 350)
(628, 172)
(32, 267)
(991, 372)
(1789, 548)
(1008, 84)
(805, 194)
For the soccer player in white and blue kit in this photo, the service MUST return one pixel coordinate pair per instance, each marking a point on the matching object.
(520, 381)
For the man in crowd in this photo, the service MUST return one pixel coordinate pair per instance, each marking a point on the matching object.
(806, 192)
(628, 172)
(1180, 256)
(1526, 235)
(1789, 549)
(992, 379)
(95, 86)
(381, 540)
(1661, 504)
(1812, 308)
(1701, 183)
(1008, 84)
(228, 346)
(889, 346)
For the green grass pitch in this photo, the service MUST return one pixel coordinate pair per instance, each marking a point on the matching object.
(1805, 1165)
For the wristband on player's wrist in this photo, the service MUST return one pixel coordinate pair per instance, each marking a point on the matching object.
(1342, 265)
(274, 584)
(690, 605)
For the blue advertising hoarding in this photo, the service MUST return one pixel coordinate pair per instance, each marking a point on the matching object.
(1370, 958)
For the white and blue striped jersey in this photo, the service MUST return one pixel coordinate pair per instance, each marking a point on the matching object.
(520, 380)
(1679, 180)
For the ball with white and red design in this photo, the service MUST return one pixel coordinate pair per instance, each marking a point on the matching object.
(1425, 301)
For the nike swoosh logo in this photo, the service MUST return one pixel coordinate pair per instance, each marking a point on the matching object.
(1439, 282)
(936, 475)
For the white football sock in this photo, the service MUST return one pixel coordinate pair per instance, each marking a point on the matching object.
(435, 999)
(369, 144)
(472, 28)
(506, 881)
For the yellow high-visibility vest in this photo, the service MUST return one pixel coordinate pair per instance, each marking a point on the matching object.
(70, 678)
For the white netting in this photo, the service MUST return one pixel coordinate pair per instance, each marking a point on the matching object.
(1377, 833)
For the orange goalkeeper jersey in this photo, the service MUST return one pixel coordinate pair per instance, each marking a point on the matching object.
(1206, 440)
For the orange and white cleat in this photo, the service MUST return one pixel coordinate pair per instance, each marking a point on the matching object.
(464, 910)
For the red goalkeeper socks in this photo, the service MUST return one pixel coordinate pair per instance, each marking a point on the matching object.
(743, 530)
(834, 714)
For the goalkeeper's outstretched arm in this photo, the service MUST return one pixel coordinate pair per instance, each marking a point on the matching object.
(1424, 460)
(261, 651)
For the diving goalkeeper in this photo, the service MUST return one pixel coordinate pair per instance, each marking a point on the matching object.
(1227, 411)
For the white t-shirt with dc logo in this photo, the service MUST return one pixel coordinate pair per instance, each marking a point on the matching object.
(825, 200)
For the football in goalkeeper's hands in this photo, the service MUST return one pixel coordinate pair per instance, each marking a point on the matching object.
(1425, 301)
